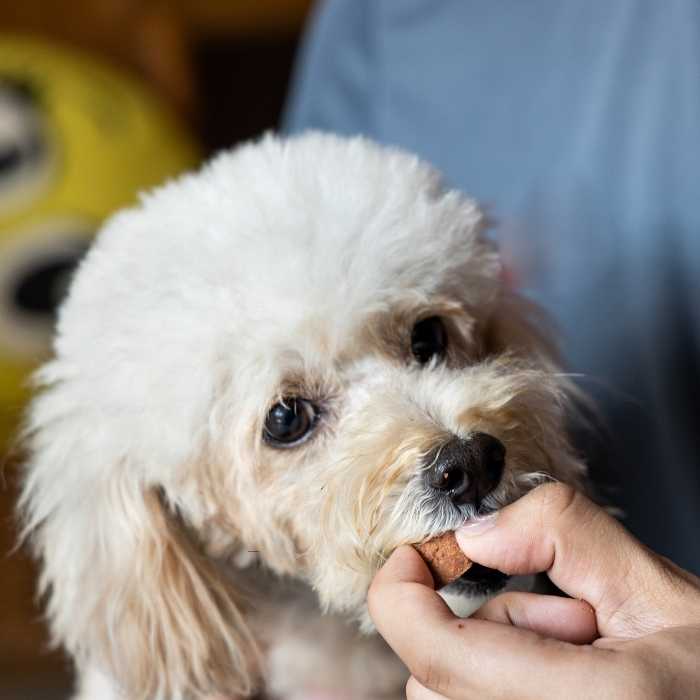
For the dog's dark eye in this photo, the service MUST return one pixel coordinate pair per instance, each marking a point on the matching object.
(289, 422)
(428, 339)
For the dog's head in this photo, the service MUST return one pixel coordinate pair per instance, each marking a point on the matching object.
(305, 350)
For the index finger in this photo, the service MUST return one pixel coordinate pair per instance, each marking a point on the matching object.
(459, 658)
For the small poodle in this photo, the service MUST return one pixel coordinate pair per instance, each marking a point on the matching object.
(268, 375)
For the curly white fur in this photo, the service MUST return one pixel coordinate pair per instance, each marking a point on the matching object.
(284, 267)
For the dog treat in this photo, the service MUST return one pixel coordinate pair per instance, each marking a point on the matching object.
(444, 558)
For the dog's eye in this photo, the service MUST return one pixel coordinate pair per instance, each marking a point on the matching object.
(428, 339)
(289, 422)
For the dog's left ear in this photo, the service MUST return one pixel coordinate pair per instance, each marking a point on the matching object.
(181, 623)
(129, 591)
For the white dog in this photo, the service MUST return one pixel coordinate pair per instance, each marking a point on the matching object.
(267, 376)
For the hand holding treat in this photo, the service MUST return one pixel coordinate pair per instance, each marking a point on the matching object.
(630, 629)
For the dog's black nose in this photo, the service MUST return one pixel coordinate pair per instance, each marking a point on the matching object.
(467, 470)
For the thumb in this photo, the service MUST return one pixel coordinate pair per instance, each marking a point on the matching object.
(585, 552)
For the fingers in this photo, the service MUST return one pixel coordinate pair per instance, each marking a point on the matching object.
(402, 598)
(565, 619)
(585, 552)
(460, 658)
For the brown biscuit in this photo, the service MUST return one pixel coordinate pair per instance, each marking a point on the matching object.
(444, 558)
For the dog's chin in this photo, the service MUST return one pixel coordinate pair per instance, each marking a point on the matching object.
(478, 580)
(471, 590)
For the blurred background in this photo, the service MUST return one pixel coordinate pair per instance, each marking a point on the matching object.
(100, 99)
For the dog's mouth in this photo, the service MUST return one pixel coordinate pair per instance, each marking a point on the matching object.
(478, 580)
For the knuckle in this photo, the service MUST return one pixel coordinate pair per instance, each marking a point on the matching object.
(500, 608)
(430, 673)
(413, 691)
(558, 500)
(677, 590)
(374, 597)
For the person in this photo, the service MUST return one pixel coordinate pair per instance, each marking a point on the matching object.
(577, 124)
(631, 628)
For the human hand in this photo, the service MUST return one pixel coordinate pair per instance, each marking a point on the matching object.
(630, 630)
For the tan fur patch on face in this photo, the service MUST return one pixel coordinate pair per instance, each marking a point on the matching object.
(388, 333)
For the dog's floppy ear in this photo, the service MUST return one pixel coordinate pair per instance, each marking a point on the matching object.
(128, 590)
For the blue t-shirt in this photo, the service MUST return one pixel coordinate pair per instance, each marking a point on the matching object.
(577, 123)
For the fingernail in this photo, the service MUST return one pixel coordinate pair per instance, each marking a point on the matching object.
(477, 526)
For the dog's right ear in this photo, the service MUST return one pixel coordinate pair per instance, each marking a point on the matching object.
(128, 590)
(519, 326)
